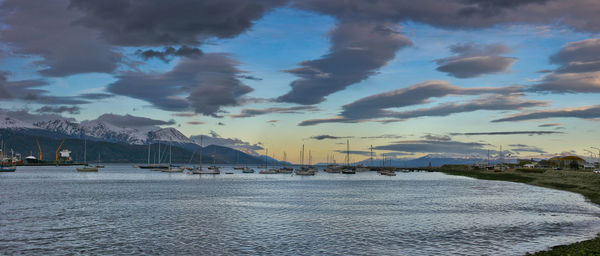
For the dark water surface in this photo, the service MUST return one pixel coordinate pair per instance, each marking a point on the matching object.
(123, 210)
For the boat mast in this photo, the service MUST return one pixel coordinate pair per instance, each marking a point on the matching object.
(266, 161)
(159, 153)
(170, 154)
(371, 155)
(347, 152)
(200, 152)
(85, 151)
(302, 155)
(215, 156)
(148, 153)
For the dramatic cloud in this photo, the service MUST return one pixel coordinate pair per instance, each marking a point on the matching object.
(383, 136)
(550, 125)
(215, 139)
(329, 137)
(376, 106)
(435, 146)
(250, 112)
(47, 29)
(588, 112)
(355, 152)
(183, 51)
(129, 121)
(59, 109)
(358, 50)
(473, 60)
(464, 14)
(96, 96)
(24, 115)
(507, 133)
(414, 95)
(204, 85)
(525, 148)
(177, 22)
(29, 91)
(579, 70)
(195, 122)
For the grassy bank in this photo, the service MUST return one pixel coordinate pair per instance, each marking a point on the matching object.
(585, 183)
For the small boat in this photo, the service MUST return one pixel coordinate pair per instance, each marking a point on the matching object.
(271, 171)
(248, 170)
(306, 173)
(4, 168)
(228, 172)
(201, 170)
(86, 168)
(214, 167)
(285, 170)
(238, 168)
(387, 173)
(348, 171)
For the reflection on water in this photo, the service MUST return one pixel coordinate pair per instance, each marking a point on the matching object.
(122, 210)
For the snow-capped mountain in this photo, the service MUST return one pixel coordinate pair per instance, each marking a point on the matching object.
(100, 130)
(11, 123)
(170, 135)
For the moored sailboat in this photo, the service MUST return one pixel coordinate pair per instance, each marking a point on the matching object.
(86, 168)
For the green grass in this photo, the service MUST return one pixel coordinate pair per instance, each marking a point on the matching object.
(585, 183)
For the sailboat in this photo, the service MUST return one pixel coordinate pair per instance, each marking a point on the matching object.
(171, 168)
(199, 170)
(86, 168)
(98, 165)
(246, 169)
(348, 169)
(266, 170)
(237, 162)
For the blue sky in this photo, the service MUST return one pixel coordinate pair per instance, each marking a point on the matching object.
(272, 49)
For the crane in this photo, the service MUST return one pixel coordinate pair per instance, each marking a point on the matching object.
(39, 149)
(58, 149)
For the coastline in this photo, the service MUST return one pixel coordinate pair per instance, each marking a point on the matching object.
(584, 183)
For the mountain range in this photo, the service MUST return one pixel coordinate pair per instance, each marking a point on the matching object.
(114, 143)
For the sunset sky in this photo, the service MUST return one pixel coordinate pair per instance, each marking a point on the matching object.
(410, 78)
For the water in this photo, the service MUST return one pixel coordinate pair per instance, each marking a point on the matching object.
(123, 210)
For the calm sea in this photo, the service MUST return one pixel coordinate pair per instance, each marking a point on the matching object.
(123, 210)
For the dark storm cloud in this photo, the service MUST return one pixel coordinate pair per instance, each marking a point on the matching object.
(46, 29)
(437, 137)
(375, 107)
(508, 133)
(579, 70)
(204, 85)
(473, 60)
(168, 52)
(329, 137)
(587, 112)
(59, 109)
(250, 112)
(195, 122)
(176, 22)
(358, 50)
(130, 121)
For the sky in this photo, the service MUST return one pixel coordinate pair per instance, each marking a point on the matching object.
(405, 78)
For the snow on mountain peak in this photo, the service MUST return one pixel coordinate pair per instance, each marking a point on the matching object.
(11, 123)
(168, 134)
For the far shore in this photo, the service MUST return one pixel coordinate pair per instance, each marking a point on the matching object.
(585, 183)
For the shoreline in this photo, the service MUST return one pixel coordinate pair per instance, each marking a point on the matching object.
(586, 184)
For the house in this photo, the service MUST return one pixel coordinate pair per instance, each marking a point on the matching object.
(531, 165)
